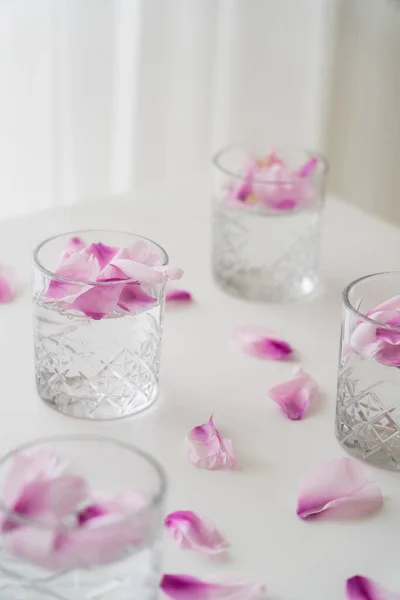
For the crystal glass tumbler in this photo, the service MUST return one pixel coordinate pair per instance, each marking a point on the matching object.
(97, 332)
(266, 223)
(368, 395)
(92, 529)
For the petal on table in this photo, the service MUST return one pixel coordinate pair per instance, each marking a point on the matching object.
(195, 533)
(134, 298)
(339, 488)
(256, 342)
(363, 588)
(99, 300)
(103, 253)
(295, 395)
(185, 587)
(178, 296)
(8, 284)
(206, 448)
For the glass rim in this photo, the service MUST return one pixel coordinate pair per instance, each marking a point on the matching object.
(216, 161)
(154, 500)
(52, 275)
(346, 300)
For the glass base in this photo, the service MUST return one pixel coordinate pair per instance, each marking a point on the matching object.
(102, 408)
(259, 286)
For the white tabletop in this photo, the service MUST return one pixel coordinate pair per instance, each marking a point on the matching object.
(203, 372)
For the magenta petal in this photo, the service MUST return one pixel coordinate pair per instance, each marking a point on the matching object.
(340, 488)
(363, 588)
(103, 253)
(75, 244)
(195, 533)
(178, 296)
(256, 342)
(185, 587)
(308, 168)
(295, 395)
(8, 285)
(78, 266)
(206, 448)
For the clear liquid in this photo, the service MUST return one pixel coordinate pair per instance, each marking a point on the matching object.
(134, 578)
(265, 256)
(96, 369)
(368, 411)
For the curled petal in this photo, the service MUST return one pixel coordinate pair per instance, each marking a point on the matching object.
(206, 448)
(8, 284)
(295, 395)
(178, 296)
(194, 533)
(78, 266)
(363, 588)
(393, 304)
(256, 342)
(185, 587)
(340, 488)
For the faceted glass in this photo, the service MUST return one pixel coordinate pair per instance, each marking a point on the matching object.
(264, 254)
(95, 368)
(368, 393)
(111, 468)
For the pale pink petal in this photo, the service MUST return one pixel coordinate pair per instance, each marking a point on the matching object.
(178, 296)
(133, 298)
(185, 587)
(206, 448)
(78, 266)
(308, 168)
(393, 304)
(26, 468)
(138, 271)
(257, 342)
(8, 284)
(172, 273)
(33, 544)
(103, 253)
(295, 395)
(99, 300)
(195, 533)
(363, 588)
(142, 252)
(340, 488)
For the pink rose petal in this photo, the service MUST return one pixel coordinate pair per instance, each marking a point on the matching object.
(78, 266)
(339, 488)
(369, 340)
(256, 342)
(178, 296)
(206, 448)
(8, 284)
(99, 300)
(103, 253)
(133, 298)
(195, 533)
(363, 588)
(295, 395)
(185, 587)
(308, 168)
